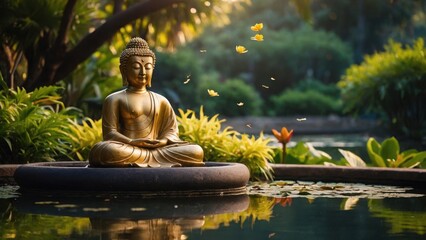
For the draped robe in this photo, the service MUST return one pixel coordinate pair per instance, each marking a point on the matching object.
(120, 125)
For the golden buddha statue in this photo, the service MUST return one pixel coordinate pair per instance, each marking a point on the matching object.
(139, 126)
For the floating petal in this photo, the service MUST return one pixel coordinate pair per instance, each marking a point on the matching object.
(212, 93)
(276, 134)
(264, 86)
(257, 37)
(301, 119)
(240, 49)
(240, 104)
(257, 27)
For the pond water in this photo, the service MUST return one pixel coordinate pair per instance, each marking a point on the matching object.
(277, 210)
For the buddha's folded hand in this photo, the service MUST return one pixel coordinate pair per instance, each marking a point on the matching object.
(148, 143)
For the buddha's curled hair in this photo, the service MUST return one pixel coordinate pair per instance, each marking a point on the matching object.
(136, 47)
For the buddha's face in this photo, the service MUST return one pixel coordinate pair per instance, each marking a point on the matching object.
(138, 72)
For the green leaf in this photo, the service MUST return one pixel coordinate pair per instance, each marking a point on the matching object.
(373, 149)
(3, 83)
(9, 143)
(417, 159)
(352, 159)
(390, 149)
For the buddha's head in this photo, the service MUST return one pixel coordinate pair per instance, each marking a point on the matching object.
(135, 60)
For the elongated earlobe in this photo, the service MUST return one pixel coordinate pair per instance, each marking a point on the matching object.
(123, 76)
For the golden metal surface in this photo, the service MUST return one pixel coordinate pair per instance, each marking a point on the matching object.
(139, 126)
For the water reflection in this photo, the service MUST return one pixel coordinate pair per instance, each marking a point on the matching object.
(115, 216)
(114, 229)
(265, 214)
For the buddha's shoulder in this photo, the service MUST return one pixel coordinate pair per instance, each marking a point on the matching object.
(115, 96)
(159, 96)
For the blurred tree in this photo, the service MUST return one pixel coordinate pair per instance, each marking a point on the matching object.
(47, 40)
(392, 81)
(368, 24)
(286, 56)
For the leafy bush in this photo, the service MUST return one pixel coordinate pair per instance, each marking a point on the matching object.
(311, 102)
(36, 127)
(32, 128)
(330, 90)
(393, 81)
(232, 93)
(83, 136)
(226, 145)
(288, 56)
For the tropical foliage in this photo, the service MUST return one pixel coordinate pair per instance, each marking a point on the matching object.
(222, 145)
(83, 136)
(45, 41)
(35, 126)
(393, 81)
(385, 154)
(388, 154)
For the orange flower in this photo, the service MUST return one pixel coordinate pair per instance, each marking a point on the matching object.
(283, 137)
(286, 201)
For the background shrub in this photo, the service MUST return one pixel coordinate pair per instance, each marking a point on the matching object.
(287, 56)
(231, 92)
(393, 81)
(177, 76)
(295, 102)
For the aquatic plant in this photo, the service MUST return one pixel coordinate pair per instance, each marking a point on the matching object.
(226, 145)
(283, 137)
(303, 153)
(387, 154)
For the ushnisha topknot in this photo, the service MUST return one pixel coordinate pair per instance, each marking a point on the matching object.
(136, 47)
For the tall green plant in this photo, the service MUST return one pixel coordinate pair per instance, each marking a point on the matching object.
(226, 145)
(34, 125)
(393, 81)
(84, 136)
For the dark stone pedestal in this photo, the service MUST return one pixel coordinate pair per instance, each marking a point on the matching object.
(212, 179)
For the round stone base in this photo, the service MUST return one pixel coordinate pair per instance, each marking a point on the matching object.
(211, 179)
